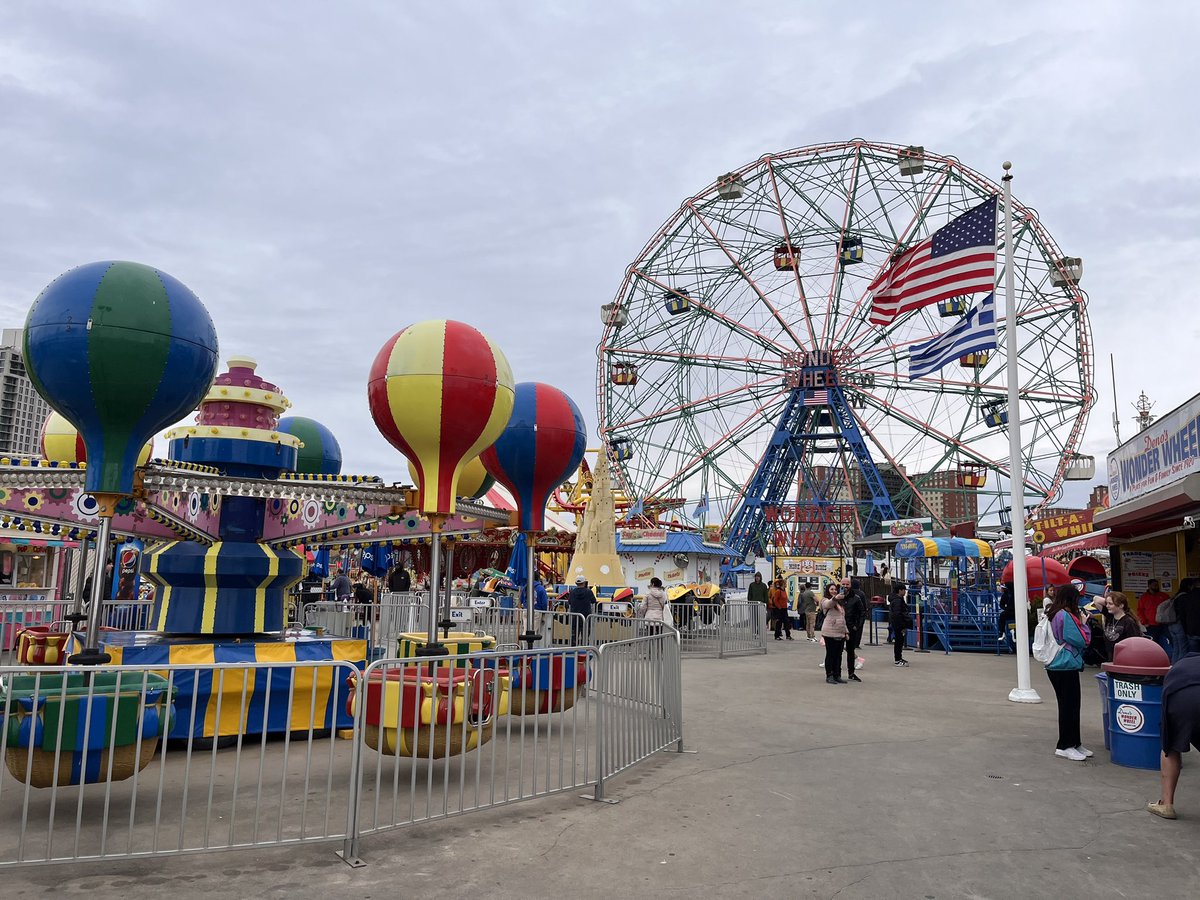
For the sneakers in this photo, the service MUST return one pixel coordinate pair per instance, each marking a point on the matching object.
(901, 663)
(778, 638)
(789, 637)
(1084, 750)
(829, 679)
(813, 640)
(854, 677)
(1161, 810)
(1071, 753)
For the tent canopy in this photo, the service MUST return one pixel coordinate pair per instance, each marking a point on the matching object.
(918, 548)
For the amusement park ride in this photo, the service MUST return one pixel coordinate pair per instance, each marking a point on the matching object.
(737, 361)
(122, 350)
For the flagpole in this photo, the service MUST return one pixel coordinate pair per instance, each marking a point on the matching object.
(1024, 691)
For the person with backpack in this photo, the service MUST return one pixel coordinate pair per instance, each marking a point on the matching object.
(1061, 639)
(1168, 614)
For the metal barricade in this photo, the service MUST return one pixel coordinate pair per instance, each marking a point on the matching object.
(699, 627)
(469, 732)
(743, 628)
(638, 695)
(90, 775)
(379, 624)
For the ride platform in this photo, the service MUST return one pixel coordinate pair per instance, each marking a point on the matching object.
(246, 701)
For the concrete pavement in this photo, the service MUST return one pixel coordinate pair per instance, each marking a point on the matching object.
(919, 783)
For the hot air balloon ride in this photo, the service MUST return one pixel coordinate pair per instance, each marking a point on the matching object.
(439, 392)
(121, 350)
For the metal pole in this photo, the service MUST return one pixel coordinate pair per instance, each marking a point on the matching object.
(1023, 692)
(91, 655)
(530, 636)
(77, 614)
(432, 647)
(446, 624)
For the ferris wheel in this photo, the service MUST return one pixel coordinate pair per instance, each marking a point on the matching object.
(737, 367)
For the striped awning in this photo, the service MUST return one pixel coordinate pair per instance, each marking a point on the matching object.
(918, 548)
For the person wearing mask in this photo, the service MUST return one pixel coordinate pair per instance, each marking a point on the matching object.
(1119, 623)
(899, 620)
(833, 632)
(808, 606)
(1073, 637)
(778, 601)
(854, 605)
(1147, 614)
(581, 601)
(1180, 728)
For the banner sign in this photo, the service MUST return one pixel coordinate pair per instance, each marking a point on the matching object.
(902, 528)
(1060, 528)
(643, 536)
(643, 574)
(809, 513)
(807, 565)
(1168, 451)
(673, 575)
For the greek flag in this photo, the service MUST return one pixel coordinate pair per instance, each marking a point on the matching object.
(976, 332)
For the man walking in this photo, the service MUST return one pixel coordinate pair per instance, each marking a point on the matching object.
(808, 606)
(854, 602)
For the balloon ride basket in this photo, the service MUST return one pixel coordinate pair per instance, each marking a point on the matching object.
(252, 700)
(455, 643)
(82, 727)
(547, 683)
(429, 710)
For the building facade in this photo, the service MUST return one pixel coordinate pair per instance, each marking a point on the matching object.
(22, 409)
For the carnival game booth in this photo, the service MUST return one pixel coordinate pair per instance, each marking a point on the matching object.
(676, 557)
(951, 592)
(1154, 489)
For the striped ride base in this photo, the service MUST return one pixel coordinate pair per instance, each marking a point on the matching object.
(456, 642)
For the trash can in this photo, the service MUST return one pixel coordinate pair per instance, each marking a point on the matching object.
(1134, 703)
(1102, 681)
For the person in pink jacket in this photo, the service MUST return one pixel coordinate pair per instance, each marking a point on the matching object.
(834, 633)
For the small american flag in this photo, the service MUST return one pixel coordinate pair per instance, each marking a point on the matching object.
(817, 398)
(959, 258)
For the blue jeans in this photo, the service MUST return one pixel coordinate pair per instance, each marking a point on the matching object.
(1179, 642)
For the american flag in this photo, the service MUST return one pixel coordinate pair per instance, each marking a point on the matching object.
(958, 258)
(817, 398)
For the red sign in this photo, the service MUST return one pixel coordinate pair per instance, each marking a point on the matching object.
(1061, 528)
(810, 515)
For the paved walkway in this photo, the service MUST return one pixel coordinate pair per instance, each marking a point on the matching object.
(919, 783)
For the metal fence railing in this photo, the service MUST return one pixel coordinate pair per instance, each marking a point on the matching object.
(127, 761)
(17, 616)
(379, 624)
(721, 629)
(92, 773)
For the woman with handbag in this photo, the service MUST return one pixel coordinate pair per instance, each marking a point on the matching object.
(1072, 637)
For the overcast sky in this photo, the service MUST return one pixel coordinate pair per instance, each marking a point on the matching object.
(323, 174)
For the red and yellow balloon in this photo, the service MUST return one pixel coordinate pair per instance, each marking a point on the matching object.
(441, 393)
(473, 483)
(62, 443)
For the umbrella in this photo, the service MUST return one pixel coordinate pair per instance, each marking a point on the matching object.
(1039, 572)
(518, 564)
